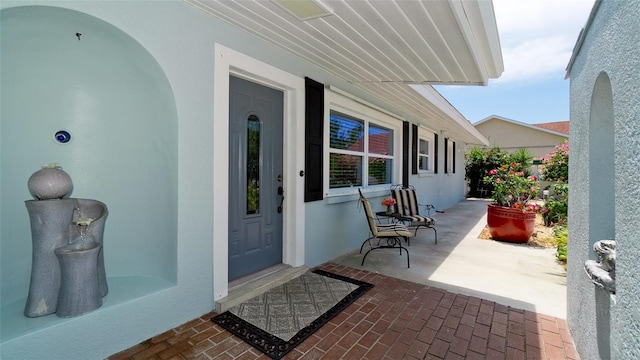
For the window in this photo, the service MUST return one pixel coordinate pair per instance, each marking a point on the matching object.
(450, 156)
(426, 152)
(253, 165)
(380, 157)
(346, 143)
(361, 152)
(362, 146)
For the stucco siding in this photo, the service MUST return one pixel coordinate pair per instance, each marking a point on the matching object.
(606, 326)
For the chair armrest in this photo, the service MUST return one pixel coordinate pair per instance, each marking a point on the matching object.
(428, 208)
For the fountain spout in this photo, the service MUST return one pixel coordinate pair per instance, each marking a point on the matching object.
(602, 272)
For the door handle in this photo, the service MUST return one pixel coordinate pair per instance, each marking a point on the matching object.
(281, 193)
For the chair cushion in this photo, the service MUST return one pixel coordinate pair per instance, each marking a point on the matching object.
(406, 201)
(419, 219)
(408, 207)
(391, 227)
(399, 231)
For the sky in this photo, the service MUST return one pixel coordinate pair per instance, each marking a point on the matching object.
(537, 39)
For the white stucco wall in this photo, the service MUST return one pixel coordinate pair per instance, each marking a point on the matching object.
(604, 196)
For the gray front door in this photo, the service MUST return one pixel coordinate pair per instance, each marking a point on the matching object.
(255, 177)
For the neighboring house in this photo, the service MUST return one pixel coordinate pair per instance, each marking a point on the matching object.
(208, 129)
(511, 135)
(603, 180)
(558, 126)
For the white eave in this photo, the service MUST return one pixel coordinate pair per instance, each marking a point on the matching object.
(384, 46)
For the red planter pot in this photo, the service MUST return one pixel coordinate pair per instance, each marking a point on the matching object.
(510, 225)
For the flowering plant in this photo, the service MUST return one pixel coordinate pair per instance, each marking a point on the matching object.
(556, 164)
(388, 202)
(512, 188)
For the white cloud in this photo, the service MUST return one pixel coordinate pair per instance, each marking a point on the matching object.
(537, 36)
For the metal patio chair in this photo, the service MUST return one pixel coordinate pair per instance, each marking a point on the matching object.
(408, 212)
(383, 236)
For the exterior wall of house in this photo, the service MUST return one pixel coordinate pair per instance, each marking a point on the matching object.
(442, 190)
(336, 225)
(604, 198)
(510, 137)
(173, 280)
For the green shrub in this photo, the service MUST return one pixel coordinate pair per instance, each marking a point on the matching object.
(561, 234)
(556, 207)
(524, 159)
(478, 163)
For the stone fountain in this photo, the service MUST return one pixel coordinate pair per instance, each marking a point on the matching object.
(602, 272)
(67, 272)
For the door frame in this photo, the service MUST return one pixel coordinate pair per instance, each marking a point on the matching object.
(230, 62)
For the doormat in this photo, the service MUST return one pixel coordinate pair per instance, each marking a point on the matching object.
(278, 320)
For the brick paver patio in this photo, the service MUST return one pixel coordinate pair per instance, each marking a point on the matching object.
(397, 319)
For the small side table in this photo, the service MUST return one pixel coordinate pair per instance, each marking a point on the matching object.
(393, 217)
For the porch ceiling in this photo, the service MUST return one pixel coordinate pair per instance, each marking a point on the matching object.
(383, 46)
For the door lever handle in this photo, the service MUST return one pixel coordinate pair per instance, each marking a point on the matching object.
(280, 192)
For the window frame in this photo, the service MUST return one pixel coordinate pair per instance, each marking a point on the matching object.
(424, 134)
(450, 161)
(368, 114)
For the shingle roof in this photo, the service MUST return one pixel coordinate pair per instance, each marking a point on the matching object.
(559, 126)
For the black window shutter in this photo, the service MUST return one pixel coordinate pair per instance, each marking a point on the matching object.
(453, 156)
(414, 152)
(446, 155)
(435, 153)
(313, 131)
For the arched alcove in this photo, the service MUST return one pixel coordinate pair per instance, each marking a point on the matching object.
(601, 163)
(66, 70)
(601, 195)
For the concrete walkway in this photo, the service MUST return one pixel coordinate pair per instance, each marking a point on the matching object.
(516, 275)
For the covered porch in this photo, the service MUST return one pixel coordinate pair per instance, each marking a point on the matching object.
(464, 298)
(167, 235)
